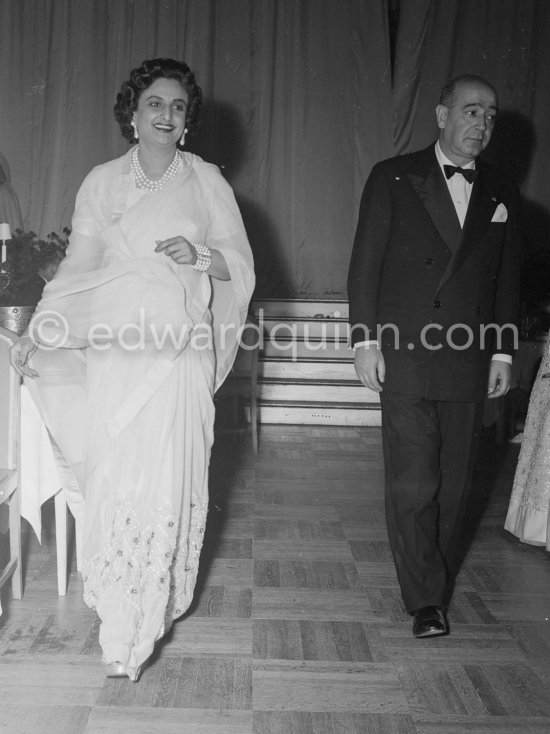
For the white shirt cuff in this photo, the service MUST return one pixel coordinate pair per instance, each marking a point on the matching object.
(502, 358)
(366, 344)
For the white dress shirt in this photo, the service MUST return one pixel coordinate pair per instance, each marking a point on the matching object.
(459, 189)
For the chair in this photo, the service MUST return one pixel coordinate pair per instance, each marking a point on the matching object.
(242, 381)
(61, 540)
(45, 473)
(61, 507)
(10, 460)
(68, 486)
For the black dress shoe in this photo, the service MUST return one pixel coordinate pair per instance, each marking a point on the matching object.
(429, 622)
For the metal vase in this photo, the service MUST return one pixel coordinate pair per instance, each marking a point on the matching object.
(16, 318)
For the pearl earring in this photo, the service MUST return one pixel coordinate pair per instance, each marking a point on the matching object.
(182, 139)
(136, 134)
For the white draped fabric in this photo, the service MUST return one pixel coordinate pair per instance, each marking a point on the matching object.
(127, 391)
(529, 511)
(40, 478)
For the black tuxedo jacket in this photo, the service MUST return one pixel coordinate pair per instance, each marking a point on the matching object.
(427, 289)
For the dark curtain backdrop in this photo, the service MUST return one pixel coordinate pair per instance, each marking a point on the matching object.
(302, 97)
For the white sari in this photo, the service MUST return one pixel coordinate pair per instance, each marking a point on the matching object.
(127, 394)
(528, 515)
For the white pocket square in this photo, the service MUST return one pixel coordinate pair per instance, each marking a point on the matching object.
(501, 214)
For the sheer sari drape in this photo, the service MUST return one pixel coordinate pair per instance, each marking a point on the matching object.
(528, 515)
(139, 344)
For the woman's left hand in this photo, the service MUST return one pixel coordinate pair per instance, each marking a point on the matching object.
(179, 249)
(183, 252)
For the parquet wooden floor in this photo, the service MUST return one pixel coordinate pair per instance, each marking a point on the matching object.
(297, 626)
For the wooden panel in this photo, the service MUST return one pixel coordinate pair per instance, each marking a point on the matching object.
(200, 636)
(311, 604)
(319, 414)
(286, 369)
(44, 719)
(305, 327)
(222, 601)
(311, 640)
(510, 689)
(481, 725)
(445, 689)
(228, 572)
(287, 529)
(300, 722)
(145, 720)
(337, 392)
(284, 344)
(308, 549)
(306, 574)
(466, 644)
(185, 682)
(227, 547)
(295, 512)
(50, 680)
(316, 686)
(300, 307)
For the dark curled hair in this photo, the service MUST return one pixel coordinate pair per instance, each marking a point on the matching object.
(141, 78)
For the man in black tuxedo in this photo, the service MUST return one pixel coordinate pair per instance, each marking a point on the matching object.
(433, 296)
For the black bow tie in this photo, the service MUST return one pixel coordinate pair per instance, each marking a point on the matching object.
(470, 174)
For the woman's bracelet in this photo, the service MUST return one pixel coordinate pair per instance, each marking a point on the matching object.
(204, 257)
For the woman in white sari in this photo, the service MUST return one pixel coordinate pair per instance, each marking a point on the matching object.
(141, 324)
(528, 515)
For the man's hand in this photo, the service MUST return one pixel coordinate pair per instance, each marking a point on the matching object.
(500, 378)
(370, 366)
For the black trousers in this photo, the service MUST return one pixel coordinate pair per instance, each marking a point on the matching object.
(429, 452)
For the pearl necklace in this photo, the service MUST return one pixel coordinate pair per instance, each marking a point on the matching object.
(144, 182)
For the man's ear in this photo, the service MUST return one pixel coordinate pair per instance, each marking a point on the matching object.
(441, 114)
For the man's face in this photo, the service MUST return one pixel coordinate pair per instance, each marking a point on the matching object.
(467, 123)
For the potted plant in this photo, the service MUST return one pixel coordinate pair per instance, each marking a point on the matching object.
(25, 251)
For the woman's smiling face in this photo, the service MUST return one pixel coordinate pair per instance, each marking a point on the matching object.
(160, 114)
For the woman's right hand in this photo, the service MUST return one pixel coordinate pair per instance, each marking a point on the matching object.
(20, 354)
